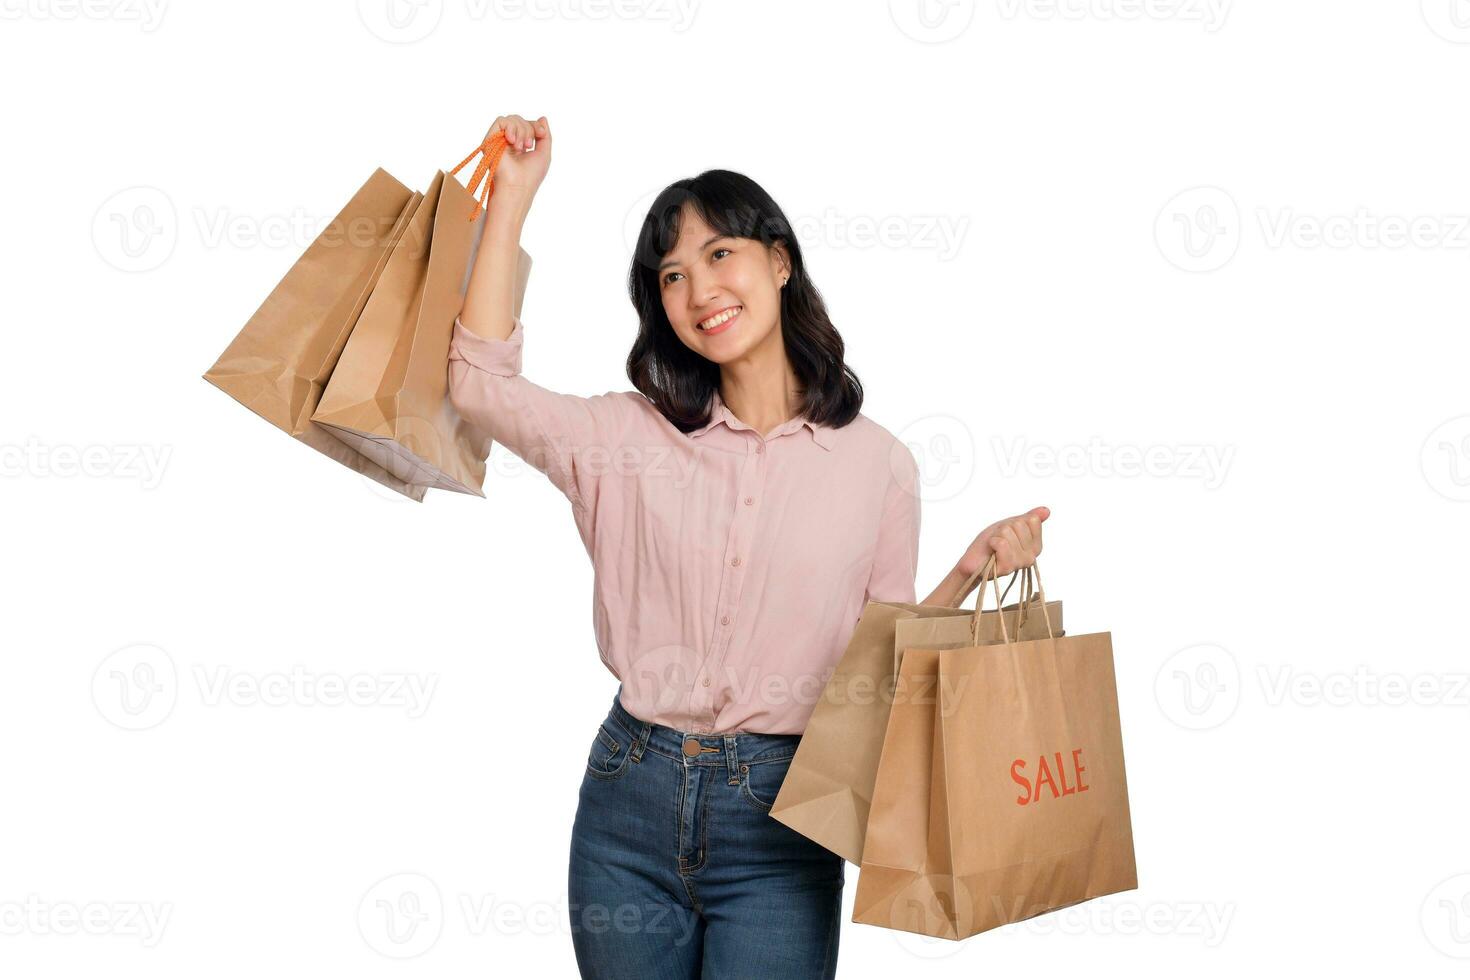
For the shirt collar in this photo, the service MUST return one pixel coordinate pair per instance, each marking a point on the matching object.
(720, 412)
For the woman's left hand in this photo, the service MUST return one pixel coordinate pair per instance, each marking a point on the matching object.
(1015, 542)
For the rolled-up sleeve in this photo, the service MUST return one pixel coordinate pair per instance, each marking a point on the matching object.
(570, 438)
(896, 558)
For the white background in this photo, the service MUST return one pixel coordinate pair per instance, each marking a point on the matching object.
(1227, 239)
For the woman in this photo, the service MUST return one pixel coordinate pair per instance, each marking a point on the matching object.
(739, 511)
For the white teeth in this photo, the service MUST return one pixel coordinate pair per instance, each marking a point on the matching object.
(715, 321)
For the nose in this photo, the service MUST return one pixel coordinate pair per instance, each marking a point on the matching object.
(704, 291)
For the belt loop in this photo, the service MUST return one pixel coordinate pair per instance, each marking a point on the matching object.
(732, 760)
(640, 741)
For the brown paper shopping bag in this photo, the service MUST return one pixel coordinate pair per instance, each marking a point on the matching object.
(1001, 791)
(388, 397)
(279, 363)
(828, 787)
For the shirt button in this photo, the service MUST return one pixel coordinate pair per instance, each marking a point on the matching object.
(706, 682)
(724, 620)
(735, 561)
(761, 448)
(749, 501)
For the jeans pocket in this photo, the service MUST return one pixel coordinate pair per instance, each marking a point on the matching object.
(611, 749)
(761, 780)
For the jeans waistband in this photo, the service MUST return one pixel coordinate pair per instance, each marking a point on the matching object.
(714, 750)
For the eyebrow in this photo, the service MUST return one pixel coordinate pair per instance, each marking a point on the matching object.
(707, 243)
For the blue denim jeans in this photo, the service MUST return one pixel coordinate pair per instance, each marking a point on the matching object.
(678, 870)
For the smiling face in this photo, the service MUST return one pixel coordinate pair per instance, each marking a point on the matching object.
(721, 294)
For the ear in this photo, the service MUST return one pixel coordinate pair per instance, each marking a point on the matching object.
(783, 257)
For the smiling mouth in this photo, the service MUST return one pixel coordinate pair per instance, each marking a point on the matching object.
(719, 320)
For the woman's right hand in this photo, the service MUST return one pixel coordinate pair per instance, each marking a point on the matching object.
(527, 154)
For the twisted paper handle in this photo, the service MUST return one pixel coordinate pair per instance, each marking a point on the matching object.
(490, 152)
(986, 574)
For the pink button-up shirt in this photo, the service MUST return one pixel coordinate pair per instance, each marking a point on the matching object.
(729, 567)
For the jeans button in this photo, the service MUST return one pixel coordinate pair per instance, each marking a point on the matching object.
(691, 747)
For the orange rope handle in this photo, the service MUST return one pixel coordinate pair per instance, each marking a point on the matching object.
(490, 150)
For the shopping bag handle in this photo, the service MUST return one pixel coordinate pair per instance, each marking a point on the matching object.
(490, 150)
(1039, 596)
(969, 584)
(986, 574)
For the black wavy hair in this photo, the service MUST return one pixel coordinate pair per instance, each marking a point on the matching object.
(679, 381)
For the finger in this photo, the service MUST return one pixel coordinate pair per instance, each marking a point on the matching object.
(1018, 553)
(1000, 547)
(1035, 517)
(1023, 533)
(1033, 533)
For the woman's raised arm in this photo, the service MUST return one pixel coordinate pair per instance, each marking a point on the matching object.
(564, 436)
